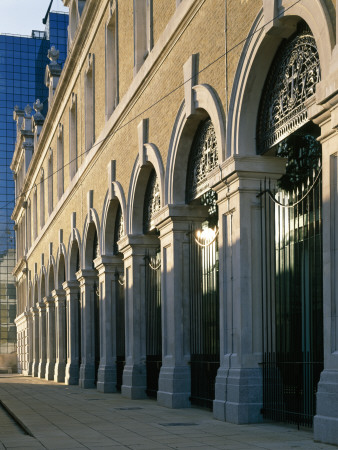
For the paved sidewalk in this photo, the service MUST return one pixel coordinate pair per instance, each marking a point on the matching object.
(67, 417)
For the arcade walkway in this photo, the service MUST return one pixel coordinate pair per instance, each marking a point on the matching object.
(55, 416)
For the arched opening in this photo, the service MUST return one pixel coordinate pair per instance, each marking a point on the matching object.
(61, 277)
(43, 287)
(36, 297)
(50, 326)
(113, 234)
(51, 285)
(92, 251)
(292, 235)
(74, 267)
(152, 204)
(203, 267)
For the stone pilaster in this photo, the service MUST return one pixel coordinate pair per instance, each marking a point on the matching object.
(106, 267)
(239, 387)
(51, 338)
(325, 114)
(87, 279)
(175, 224)
(72, 290)
(61, 337)
(35, 341)
(134, 375)
(42, 340)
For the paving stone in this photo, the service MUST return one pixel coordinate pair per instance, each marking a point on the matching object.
(67, 417)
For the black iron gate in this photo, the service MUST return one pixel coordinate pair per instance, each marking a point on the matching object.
(204, 315)
(120, 330)
(292, 300)
(153, 322)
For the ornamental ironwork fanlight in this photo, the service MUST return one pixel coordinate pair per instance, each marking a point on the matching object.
(118, 229)
(152, 202)
(203, 159)
(292, 79)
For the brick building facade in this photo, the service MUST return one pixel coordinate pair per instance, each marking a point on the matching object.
(146, 264)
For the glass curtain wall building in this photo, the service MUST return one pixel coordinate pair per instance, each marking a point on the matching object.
(23, 61)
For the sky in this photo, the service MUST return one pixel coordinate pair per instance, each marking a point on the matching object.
(23, 16)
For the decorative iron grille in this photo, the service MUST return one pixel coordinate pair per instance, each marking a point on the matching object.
(209, 199)
(152, 202)
(153, 321)
(120, 328)
(204, 314)
(292, 79)
(203, 159)
(292, 307)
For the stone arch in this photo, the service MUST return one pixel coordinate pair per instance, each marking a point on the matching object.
(43, 283)
(138, 183)
(51, 275)
(207, 104)
(91, 225)
(61, 266)
(74, 246)
(255, 61)
(111, 203)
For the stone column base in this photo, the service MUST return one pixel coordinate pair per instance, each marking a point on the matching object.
(238, 395)
(50, 368)
(35, 369)
(29, 370)
(325, 423)
(174, 387)
(106, 378)
(42, 369)
(72, 373)
(134, 382)
(87, 376)
(59, 372)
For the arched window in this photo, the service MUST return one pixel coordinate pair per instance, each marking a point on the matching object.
(50, 183)
(60, 162)
(42, 199)
(292, 234)
(203, 268)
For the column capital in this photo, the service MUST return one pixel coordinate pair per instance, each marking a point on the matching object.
(58, 295)
(107, 263)
(41, 305)
(34, 311)
(49, 301)
(136, 244)
(86, 276)
(245, 173)
(179, 213)
(70, 286)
